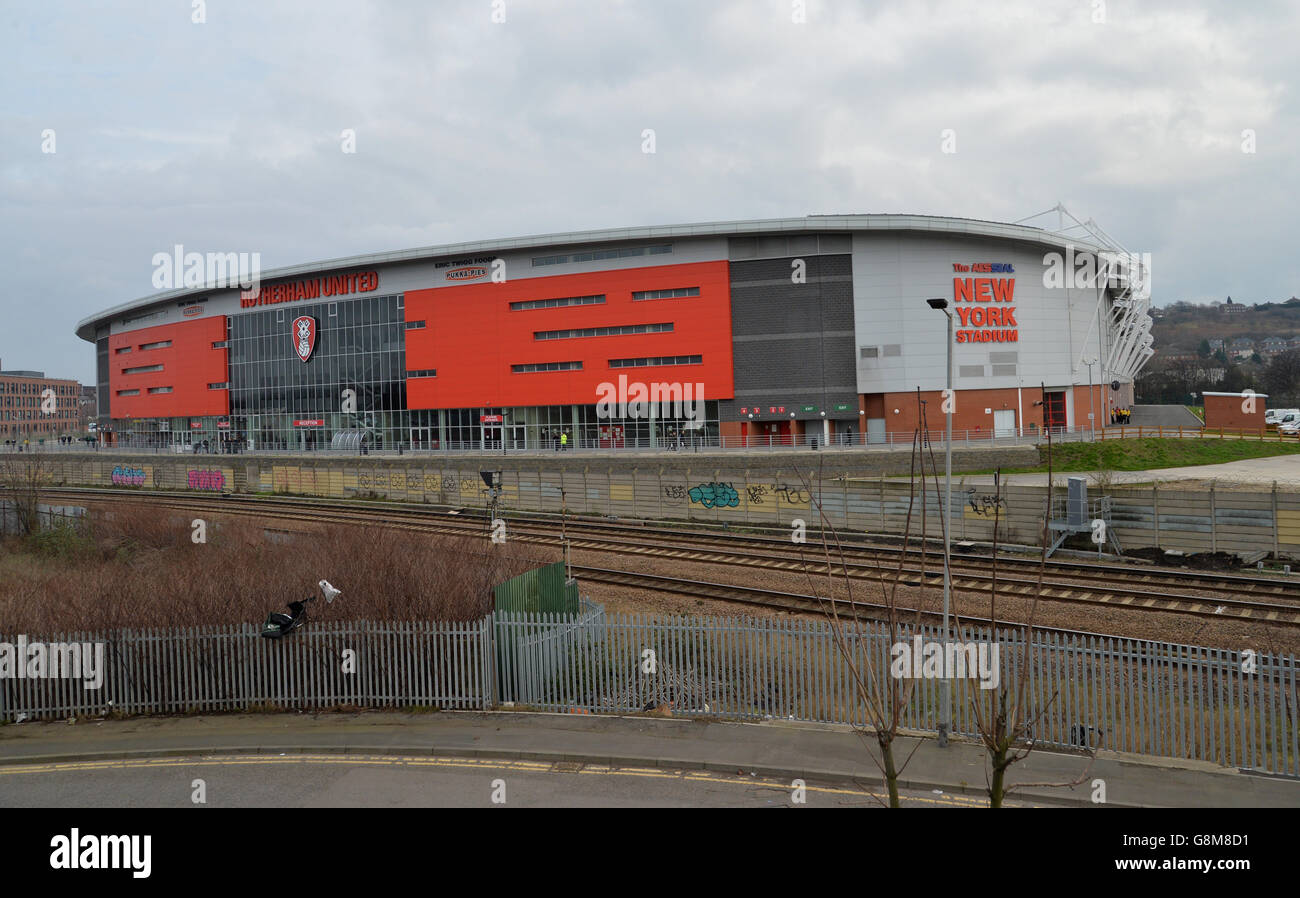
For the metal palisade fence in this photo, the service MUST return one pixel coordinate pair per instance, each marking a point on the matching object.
(204, 669)
(1233, 708)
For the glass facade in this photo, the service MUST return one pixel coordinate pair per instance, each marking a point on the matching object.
(278, 401)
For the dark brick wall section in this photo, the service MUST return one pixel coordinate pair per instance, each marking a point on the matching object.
(793, 343)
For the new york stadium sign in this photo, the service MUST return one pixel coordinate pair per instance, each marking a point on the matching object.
(992, 323)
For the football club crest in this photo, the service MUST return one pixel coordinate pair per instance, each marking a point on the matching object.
(304, 336)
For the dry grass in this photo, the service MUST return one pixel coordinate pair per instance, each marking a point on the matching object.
(140, 568)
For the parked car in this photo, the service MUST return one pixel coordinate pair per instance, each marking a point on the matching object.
(1289, 428)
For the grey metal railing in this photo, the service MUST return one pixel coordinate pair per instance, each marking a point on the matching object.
(1233, 708)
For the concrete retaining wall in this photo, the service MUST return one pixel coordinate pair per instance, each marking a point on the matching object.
(702, 488)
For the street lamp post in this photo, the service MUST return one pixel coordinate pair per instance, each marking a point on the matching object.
(945, 687)
(1092, 412)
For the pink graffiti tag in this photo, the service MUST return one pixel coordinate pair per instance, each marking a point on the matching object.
(206, 480)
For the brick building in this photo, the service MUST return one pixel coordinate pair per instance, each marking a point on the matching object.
(34, 407)
(1235, 411)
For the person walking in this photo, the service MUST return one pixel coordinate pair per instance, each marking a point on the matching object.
(564, 440)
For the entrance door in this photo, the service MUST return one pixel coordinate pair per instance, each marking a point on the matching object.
(420, 438)
(777, 434)
(1054, 411)
(876, 430)
(1004, 422)
(515, 436)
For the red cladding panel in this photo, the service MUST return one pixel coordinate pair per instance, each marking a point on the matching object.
(189, 364)
(472, 337)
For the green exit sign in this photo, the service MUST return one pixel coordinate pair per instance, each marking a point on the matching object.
(842, 407)
(808, 408)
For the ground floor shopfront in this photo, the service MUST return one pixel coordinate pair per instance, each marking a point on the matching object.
(880, 418)
(544, 427)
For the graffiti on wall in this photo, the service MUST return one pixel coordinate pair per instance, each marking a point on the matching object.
(792, 494)
(415, 480)
(985, 504)
(715, 495)
(206, 480)
(125, 475)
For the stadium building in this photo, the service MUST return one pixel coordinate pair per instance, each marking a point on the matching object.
(749, 332)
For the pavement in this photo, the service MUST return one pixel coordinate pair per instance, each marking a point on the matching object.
(1164, 416)
(389, 780)
(780, 751)
(1259, 472)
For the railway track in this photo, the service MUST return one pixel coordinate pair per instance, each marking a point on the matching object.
(801, 603)
(1150, 590)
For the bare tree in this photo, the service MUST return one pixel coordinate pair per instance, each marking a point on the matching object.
(884, 697)
(1005, 716)
(21, 477)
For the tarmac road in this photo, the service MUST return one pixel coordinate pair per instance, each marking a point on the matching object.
(432, 758)
(295, 780)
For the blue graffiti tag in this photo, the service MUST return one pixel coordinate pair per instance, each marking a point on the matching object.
(715, 495)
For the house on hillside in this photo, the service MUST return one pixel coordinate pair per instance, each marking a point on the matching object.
(1215, 345)
(1271, 346)
(1293, 301)
(1241, 348)
(1231, 308)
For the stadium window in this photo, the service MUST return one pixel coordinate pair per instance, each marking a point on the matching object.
(557, 302)
(600, 254)
(673, 293)
(611, 331)
(540, 367)
(657, 361)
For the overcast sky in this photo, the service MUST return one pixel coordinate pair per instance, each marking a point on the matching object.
(225, 135)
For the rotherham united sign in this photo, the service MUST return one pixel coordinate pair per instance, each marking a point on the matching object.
(311, 288)
(304, 336)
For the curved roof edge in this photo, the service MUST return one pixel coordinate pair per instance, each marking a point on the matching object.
(818, 223)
